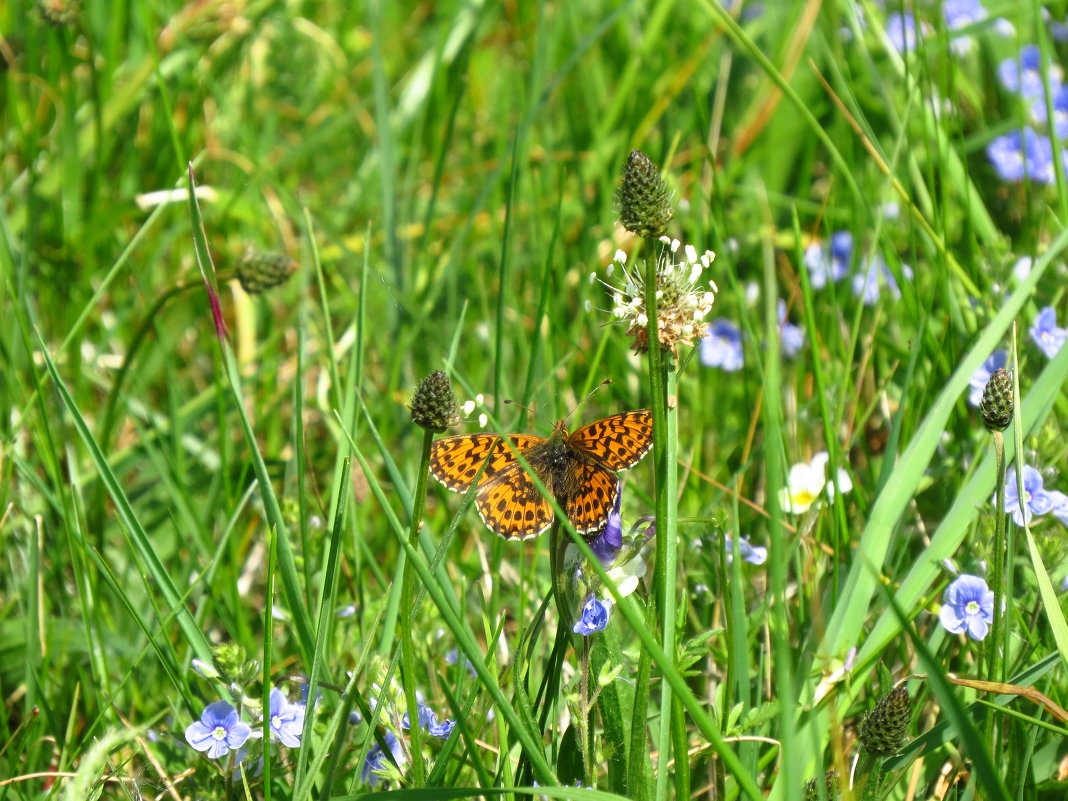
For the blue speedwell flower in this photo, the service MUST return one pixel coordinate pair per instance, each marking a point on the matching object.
(968, 605)
(218, 731)
(979, 379)
(1046, 334)
(960, 14)
(722, 347)
(753, 554)
(377, 761)
(1022, 154)
(901, 30)
(1060, 111)
(428, 720)
(791, 337)
(595, 614)
(1036, 500)
(829, 261)
(868, 281)
(286, 719)
(1024, 75)
(606, 544)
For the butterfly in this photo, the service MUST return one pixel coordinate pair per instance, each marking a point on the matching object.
(578, 469)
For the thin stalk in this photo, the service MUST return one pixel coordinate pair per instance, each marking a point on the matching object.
(408, 614)
(139, 337)
(993, 658)
(585, 734)
(664, 459)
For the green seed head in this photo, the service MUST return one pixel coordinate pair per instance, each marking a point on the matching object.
(830, 786)
(434, 404)
(882, 732)
(996, 406)
(258, 271)
(643, 197)
(59, 13)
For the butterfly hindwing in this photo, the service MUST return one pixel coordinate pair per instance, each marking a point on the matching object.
(512, 506)
(592, 496)
(455, 461)
(619, 441)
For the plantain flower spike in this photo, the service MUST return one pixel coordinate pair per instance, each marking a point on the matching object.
(830, 787)
(996, 406)
(644, 200)
(882, 732)
(259, 271)
(434, 404)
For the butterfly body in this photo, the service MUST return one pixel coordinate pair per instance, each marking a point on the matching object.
(578, 469)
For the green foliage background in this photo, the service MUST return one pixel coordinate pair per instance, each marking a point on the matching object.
(443, 173)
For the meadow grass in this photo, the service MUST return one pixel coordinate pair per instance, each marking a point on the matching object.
(208, 493)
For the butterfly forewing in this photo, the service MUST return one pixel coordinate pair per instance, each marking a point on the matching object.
(512, 506)
(455, 461)
(592, 497)
(618, 442)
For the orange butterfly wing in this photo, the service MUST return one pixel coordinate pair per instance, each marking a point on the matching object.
(619, 441)
(594, 495)
(455, 461)
(512, 506)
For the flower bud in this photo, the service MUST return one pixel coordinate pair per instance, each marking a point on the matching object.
(830, 785)
(258, 271)
(643, 197)
(434, 404)
(882, 732)
(996, 406)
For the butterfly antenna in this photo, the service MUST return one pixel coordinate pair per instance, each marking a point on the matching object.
(593, 392)
(526, 409)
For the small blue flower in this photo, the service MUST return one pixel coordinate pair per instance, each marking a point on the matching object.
(1060, 505)
(286, 719)
(960, 14)
(791, 337)
(606, 544)
(722, 347)
(429, 720)
(1060, 111)
(979, 379)
(376, 759)
(1036, 499)
(968, 605)
(867, 282)
(753, 554)
(218, 731)
(453, 656)
(595, 614)
(829, 261)
(1022, 154)
(901, 31)
(1024, 75)
(1046, 334)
